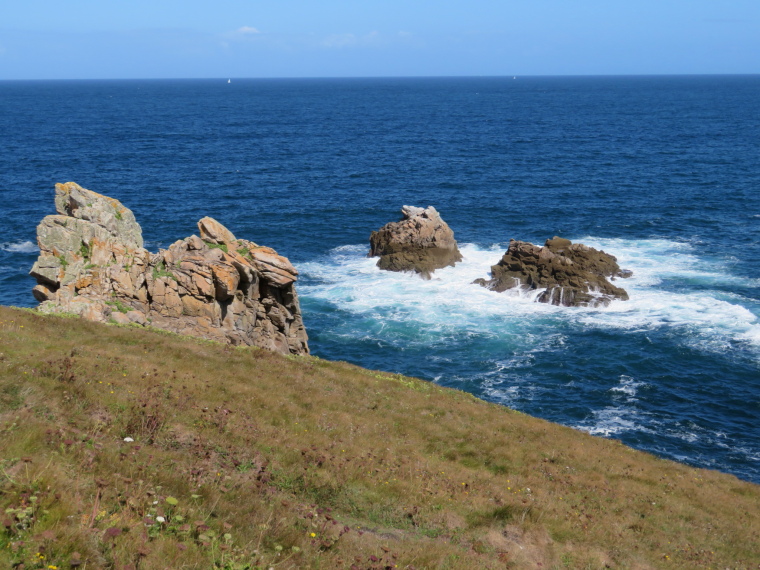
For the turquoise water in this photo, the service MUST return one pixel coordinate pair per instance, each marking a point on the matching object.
(662, 172)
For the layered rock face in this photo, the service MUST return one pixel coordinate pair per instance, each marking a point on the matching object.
(572, 274)
(421, 242)
(92, 263)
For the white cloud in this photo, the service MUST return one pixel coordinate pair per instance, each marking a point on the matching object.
(244, 33)
(339, 40)
(247, 30)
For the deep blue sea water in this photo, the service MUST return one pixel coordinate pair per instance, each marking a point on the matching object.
(663, 172)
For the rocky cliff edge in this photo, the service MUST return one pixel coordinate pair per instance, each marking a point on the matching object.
(92, 263)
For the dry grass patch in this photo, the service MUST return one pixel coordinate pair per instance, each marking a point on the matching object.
(126, 448)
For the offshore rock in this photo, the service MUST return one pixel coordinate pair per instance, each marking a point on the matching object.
(421, 242)
(573, 275)
(92, 263)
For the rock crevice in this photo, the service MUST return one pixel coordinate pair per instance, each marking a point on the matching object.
(92, 263)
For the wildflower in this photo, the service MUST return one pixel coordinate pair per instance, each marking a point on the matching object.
(313, 534)
(128, 439)
(160, 519)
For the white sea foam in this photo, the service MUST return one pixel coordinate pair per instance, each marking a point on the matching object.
(353, 282)
(696, 302)
(614, 420)
(19, 247)
(671, 287)
(627, 386)
(448, 304)
(621, 417)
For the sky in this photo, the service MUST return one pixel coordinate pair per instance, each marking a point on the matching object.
(125, 39)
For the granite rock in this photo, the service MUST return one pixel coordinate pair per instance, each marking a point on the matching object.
(570, 274)
(92, 263)
(420, 242)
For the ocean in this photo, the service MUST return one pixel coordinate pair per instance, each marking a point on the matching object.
(662, 172)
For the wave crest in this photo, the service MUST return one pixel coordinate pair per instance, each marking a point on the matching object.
(20, 247)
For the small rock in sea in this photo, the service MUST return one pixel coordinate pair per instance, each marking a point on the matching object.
(573, 275)
(421, 242)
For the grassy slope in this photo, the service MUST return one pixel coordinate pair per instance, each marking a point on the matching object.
(258, 460)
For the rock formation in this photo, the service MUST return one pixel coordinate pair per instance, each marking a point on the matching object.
(92, 263)
(421, 242)
(572, 275)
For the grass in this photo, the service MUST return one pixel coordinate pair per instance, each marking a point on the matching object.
(126, 448)
(245, 252)
(85, 251)
(119, 306)
(161, 271)
(212, 245)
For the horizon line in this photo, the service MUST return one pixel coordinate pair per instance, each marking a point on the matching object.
(506, 76)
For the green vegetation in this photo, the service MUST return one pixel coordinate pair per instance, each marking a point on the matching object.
(119, 306)
(134, 448)
(222, 246)
(245, 252)
(85, 251)
(161, 271)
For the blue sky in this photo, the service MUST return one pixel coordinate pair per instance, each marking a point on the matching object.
(92, 39)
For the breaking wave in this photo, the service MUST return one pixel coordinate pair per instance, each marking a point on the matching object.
(19, 247)
(671, 289)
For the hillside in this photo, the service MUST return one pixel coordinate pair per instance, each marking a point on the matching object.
(131, 448)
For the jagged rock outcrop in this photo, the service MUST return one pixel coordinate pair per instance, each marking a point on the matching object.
(92, 263)
(421, 242)
(572, 275)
